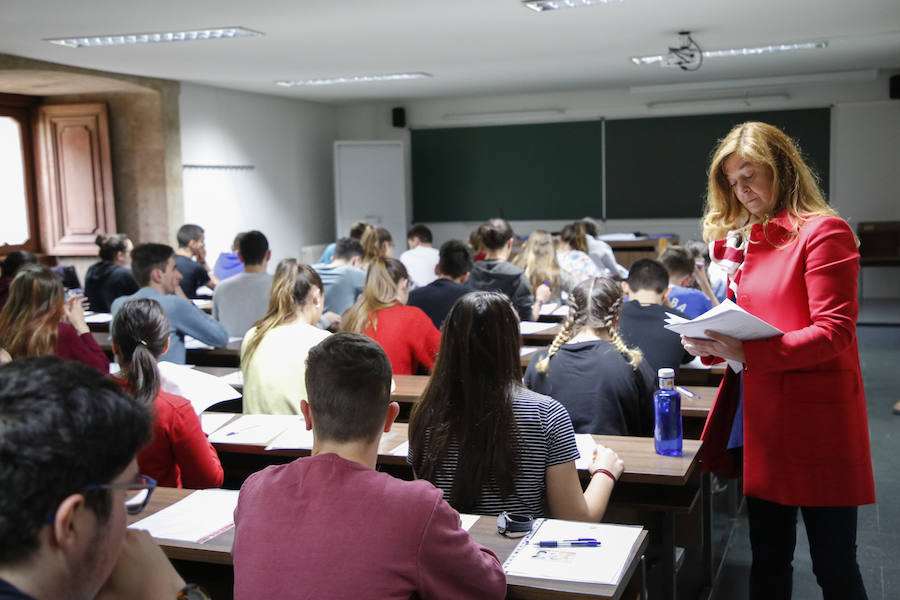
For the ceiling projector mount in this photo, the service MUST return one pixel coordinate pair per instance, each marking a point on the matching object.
(687, 56)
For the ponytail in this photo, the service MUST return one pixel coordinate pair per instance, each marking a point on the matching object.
(141, 332)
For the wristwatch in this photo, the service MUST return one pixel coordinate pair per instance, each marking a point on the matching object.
(514, 524)
(192, 591)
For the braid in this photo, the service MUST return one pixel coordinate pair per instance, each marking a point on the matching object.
(565, 332)
(634, 355)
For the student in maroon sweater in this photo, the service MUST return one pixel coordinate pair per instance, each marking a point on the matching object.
(179, 455)
(406, 333)
(38, 321)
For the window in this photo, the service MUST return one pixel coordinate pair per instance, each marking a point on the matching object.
(18, 225)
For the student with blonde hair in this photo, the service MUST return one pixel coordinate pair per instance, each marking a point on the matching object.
(377, 243)
(606, 386)
(406, 333)
(38, 320)
(572, 253)
(538, 260)
(273, 353)
(179, 454)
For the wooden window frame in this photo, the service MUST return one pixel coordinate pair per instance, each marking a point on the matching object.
(21, 108)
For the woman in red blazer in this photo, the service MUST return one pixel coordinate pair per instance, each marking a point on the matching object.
(797, 412)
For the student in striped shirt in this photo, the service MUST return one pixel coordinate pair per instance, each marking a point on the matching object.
(489, 443)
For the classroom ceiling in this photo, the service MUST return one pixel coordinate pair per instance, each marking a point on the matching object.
(471, 47)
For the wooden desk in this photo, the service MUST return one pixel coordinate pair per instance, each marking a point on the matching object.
(542, 338)
(218, 551)
(229, 356)
(629, 251)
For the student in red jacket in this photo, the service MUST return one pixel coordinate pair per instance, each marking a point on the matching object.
(797, 408)
(179, 455)
(37, 320)
(408, 336)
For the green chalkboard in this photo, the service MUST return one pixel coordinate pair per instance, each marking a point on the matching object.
(656, 168)
(542, 171)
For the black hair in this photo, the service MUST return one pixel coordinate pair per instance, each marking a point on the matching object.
(188, 233)
(63, 426)
(146, 257)
(15, 260)
(455, 260)
(495, 233)
(574, 235)
(348, 383)
(141, 332)
(648, 274)
(110, 245)
(421, 232)
(253, 247)
(677, 260)
(346, 248)
(357, 229)
(236, 243)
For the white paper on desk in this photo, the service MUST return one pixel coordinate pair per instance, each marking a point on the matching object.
(529, 327)
(547, 309)
(586, 444)
(727, 318)
(619, 237)
(234, 378)
(527, 350)
(254, 429)
(466, 520)
(192, 343)
(401, 450)
(603, 564)
(196, 518)
(210, 421)
(295, 437)
(97, 317)
(202, 389)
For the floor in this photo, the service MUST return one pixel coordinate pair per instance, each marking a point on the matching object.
(878, 537)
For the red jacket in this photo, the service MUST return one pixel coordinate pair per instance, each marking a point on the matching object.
(81, 348)
(408, 337)
(806, 436)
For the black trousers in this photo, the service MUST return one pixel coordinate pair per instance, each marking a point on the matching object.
(831, 531)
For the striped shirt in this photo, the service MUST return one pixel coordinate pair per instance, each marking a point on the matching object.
(546, 439)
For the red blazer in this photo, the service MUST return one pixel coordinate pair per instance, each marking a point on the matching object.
(806, 435)
(408, 337)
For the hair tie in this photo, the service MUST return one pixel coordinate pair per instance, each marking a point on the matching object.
(143, 343)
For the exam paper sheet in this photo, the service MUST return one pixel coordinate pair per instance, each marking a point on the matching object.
(202, 389)
(467, 520)
(211, 421)
(586, 444)
(254, 429)
(528, 327)
(199, 517)
(294, 437)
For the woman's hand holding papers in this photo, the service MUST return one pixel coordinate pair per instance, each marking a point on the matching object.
(607, 460)
(721, 345)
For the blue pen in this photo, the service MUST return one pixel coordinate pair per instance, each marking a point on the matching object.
(579, 543)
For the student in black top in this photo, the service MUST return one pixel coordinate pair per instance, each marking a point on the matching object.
(452, 270)
(111, 277)
(194, 273)
(642, 319)
(606, 386)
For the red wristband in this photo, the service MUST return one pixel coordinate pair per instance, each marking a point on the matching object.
(605, 472)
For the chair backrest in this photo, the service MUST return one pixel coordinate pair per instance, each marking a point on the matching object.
(68, 275)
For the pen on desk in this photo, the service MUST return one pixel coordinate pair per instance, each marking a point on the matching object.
(237, 431)
(687, 392)
(579, 543)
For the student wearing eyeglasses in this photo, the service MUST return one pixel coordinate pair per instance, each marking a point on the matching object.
(69, 440)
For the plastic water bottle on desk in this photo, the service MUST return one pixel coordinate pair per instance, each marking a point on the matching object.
(667, 407)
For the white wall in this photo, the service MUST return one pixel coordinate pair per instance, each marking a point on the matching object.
(288, 195)
(864, 133)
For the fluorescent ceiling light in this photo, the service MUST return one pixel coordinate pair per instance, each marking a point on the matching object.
(735, 102)
(782, 80)
(545, 5)
(658, 58)
(122, 39)
(354, 79)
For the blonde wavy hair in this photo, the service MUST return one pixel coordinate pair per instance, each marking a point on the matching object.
(795, 185)
(381, 291)
(594, 303)
(373, 240)
(538, 260)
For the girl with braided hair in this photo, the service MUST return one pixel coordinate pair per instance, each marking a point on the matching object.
(606, 386)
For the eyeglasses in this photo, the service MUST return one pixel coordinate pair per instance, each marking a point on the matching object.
(137, 493)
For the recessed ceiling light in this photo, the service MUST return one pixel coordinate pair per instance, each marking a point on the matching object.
(545, 5)
(658, 58)
(354, 79)
(121, 39)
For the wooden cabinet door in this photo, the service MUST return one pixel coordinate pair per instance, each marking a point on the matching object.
(75, 190)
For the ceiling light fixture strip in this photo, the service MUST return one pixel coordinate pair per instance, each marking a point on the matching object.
(123, 39)
(547, 5)
(353, 79)
(756, 50)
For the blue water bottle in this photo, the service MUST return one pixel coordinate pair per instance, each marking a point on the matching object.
(667, 406)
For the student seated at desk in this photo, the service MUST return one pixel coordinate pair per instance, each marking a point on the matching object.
(496, 274)
(154, 269)
(227, 263)
(421, 258)
(273, 353)
(377, 243)
(68, 441)
(179, 454)
(538, 260)
(452, 270)
(190, 260)
(406, 333)
(38, 320)
(342, 279)
(489, 443)
(572, 253)
(606, 386)
(11, 265)
(111, 277)
(356, 231)
(642, 319)
(330, 525)
(683, 273)
(239, 301)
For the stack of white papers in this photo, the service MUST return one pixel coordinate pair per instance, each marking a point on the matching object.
(92, 317)
(727, 318)
(530, 327)
(234, 378)
(202, 389)
(254, 429)
(602, 564)
(211, 421)
(197, 518)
